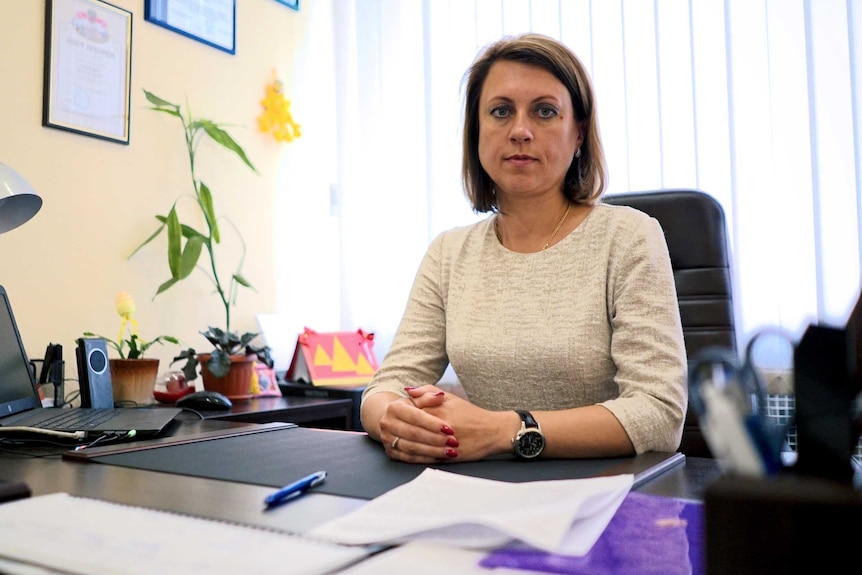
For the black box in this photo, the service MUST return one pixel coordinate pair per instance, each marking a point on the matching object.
(784, 524)
(327, 392)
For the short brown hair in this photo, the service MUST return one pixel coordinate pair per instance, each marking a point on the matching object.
(586, 179)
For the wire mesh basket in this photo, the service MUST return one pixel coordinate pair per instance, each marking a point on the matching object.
(781, 407)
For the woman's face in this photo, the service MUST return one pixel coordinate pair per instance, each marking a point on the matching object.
(528, 133)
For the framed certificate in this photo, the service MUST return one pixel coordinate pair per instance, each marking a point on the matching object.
(88, 68)
(212, 22)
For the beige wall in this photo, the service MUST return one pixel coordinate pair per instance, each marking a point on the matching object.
(64, 267)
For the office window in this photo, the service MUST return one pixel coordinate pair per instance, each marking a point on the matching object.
(753, 101)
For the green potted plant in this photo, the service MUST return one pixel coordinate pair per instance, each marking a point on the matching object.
(228, 368)
(133, 376)
(187, 244)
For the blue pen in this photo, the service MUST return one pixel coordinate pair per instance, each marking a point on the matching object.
(295, 489)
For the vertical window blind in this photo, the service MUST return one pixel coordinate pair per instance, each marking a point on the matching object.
(755, 102)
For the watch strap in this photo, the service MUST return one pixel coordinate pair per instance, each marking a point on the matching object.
(527, 418)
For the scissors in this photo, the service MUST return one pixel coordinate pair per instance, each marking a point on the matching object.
(729, 397)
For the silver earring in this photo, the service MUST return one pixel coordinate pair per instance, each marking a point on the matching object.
(578, 153)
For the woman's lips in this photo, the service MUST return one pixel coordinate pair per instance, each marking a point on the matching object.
(520, 160)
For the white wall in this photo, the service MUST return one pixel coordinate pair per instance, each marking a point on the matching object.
(64, 267)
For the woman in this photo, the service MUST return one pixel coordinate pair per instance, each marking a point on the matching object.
(558, 313)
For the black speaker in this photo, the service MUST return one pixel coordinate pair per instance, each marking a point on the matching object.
(94, 373)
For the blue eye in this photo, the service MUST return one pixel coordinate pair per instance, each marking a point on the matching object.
(500, 112)
(545, 111)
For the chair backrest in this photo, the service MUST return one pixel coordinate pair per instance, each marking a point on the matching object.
(696, 232)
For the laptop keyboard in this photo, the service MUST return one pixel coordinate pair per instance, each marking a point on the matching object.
(78, 419)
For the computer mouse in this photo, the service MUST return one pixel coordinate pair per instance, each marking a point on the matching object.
(205, 400)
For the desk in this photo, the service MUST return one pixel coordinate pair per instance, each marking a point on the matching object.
(242, 501)
(308, 411)
(237, 502)
(353, 393)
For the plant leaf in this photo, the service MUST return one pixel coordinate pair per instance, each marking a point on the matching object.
(168, 111)
(161, 105)
(263, 354)
(135, 352)
(175, 236)
(190, 257)
(190, 368)
(227, 341)
(219, 363)
(247, 338)
(166, 286)
(155, 100)
(206, 200)
(188, 231)
(216, 133)
(151, 238)
(238, 278)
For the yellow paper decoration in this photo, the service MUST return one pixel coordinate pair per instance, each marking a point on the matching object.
(276, 118)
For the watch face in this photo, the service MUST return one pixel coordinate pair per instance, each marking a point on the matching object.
(530, 444)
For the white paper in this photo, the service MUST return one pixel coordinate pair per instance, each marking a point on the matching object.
(561, 516)
(87, 536)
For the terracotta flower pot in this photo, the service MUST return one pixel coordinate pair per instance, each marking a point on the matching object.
(134, 380)
(237, 383)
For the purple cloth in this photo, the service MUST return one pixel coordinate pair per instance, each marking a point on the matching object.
(648, 535)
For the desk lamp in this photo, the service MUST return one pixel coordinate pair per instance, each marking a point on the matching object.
(18, 201)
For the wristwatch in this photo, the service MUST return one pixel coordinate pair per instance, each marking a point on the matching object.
(529, 441)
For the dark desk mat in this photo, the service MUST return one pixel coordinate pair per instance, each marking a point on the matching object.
(357, 465)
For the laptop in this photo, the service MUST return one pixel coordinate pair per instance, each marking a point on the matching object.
(20, 405)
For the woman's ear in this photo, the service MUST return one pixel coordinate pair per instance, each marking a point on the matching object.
(582, 133)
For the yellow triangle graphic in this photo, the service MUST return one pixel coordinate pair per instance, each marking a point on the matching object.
(341, 360)
(362, 365)
(321, 357)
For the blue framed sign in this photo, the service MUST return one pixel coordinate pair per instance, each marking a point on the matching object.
(290, 3)
(212, 22)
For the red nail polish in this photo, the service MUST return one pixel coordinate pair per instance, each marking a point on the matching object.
(452, 442)
(447, 430)
(409, 388)
(451, 453)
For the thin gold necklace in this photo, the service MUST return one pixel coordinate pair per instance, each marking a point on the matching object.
(550, 239)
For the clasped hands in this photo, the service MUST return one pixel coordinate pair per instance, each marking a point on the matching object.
(433, 426)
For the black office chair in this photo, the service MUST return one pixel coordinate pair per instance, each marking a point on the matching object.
(696, 233)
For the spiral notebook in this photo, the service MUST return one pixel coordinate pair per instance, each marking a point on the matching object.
(137, 540)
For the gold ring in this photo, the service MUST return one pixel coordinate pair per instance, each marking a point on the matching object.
(395, 442)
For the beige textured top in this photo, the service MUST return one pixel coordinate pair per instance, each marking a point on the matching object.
(592, 319)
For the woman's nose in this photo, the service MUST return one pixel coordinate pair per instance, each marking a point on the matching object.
(521, 131)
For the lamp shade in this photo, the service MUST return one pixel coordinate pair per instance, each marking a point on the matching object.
(18, 201)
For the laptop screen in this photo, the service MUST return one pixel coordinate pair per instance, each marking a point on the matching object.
(18, 390)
